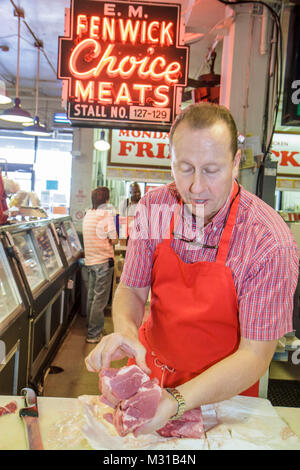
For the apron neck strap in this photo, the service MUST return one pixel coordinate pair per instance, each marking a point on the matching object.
(224, 242)
(223, 246)
(168, 236)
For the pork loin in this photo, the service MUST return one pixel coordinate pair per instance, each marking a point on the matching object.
(189, 425)
(135, 399)
(120, 384)
(139, 409)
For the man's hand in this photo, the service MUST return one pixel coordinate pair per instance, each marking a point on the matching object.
(114, 347)
(167, 407)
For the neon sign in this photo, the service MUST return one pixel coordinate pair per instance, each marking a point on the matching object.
(124, 63)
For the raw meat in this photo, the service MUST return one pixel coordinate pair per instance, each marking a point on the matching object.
(135, 399)
(120, 384)
(189, 425)
(137, 410)
(9, 408)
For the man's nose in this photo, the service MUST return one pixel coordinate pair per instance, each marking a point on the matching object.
(198, 184)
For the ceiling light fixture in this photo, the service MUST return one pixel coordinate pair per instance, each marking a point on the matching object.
(102, 144)
(37, 129)
(17, 114)
(4, 99)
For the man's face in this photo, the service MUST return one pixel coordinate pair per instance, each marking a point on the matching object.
(203, 167)
(135, 193)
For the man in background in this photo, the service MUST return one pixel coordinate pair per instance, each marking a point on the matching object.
(128, 206)
(99, 236)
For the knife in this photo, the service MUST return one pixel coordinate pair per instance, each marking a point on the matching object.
(30, 417)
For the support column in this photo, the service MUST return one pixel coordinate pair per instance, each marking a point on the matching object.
(244, 74)
(82, 174)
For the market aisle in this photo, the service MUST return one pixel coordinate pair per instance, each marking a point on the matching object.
(75, 380)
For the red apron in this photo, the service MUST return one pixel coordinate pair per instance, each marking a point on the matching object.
(193, 322)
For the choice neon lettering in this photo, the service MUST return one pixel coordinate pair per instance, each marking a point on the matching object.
(155, 69)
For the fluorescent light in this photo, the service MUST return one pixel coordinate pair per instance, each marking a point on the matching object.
(61, 118)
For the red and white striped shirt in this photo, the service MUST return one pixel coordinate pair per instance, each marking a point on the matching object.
(263, 257)
(97, 228)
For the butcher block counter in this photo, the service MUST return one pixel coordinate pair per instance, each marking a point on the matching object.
(244, 423)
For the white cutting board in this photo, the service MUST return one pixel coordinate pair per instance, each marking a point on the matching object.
(60, 419)
(245, 423)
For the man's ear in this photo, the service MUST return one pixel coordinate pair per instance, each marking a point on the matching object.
(236, 163)
(172, 170)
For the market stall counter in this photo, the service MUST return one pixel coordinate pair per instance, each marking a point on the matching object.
(66, 424)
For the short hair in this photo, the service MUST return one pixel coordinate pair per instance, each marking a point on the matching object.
(134, 184)
(100, 195)
(203, 115)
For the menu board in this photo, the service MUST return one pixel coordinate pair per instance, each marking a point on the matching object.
(29, 259)
(10, 298)
(48, 250)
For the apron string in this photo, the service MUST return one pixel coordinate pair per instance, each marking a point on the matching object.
(162, 367)
(224, 243)
(168, 236)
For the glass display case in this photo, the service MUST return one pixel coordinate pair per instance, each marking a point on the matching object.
(66, 247)
(48, 250)
(10, 298)
(39, 295)
(72, 236)
(29, 259)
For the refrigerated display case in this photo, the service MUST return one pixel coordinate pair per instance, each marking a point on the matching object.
(29, 258)
(14, 327)
(72, 236)
(71, 250)
(46, 275)
(10, 298)
(48, 250)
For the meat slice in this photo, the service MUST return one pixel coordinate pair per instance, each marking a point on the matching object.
(135, 399)
(137, 410)
(9, 408)
(120, 384)
(189, 425)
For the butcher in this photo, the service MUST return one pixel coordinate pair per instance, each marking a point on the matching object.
(222, 267)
